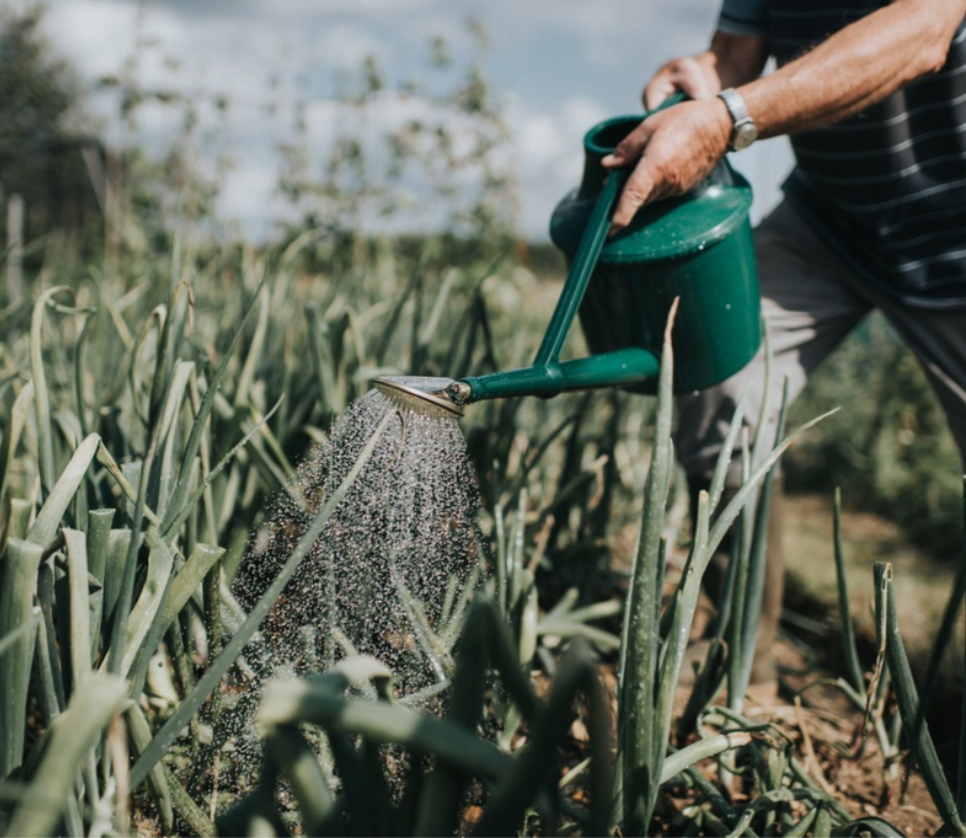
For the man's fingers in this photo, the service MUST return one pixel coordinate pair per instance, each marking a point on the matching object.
(637, 190)
(684, 75)
(630, 149)
(640, 184)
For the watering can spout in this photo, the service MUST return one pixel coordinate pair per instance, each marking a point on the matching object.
(441, 397)
(633, 366)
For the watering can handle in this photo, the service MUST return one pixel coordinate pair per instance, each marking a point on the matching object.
(674, 99)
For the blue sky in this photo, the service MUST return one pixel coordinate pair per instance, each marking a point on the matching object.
(558, 67)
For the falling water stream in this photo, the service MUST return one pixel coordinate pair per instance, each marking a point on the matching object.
(391, 567)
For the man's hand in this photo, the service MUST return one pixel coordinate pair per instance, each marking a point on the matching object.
(675, 149)
(696, 77)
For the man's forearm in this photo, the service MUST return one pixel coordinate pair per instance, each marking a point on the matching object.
(860, 65)
(736, 59)
(856, 67)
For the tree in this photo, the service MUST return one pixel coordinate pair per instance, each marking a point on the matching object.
(42, 135)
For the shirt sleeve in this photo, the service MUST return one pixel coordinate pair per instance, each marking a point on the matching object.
(744, 17)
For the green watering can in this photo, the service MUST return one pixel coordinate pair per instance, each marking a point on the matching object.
(696, 247)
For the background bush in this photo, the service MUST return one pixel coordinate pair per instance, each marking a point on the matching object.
(889, 447)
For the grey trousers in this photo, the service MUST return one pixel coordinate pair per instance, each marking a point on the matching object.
(811, 300)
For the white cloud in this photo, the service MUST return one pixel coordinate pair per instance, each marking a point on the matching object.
(249, 198)
(300, 9)
(549, 146)
(96, 36)
(347, 44)
(562, 66)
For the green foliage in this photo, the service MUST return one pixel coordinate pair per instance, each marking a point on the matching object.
(160, 430)
(889, 448)
(37, 103)
(161, 427)
(908, 700)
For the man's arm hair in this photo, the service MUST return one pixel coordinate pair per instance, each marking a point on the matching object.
(856, 67)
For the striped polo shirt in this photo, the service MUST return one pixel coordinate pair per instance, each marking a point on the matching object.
(886, 187)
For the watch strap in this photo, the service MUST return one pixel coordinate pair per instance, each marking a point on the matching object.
(740, 118)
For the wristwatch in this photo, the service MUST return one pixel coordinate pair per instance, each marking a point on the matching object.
(743, 130)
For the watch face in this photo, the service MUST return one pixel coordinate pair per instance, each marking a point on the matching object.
(745, 135)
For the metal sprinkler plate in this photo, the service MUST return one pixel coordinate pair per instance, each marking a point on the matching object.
(421, 393)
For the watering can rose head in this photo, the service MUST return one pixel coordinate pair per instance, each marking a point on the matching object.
(423, 393)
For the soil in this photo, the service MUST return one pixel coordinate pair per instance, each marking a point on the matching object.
(817, 715)
(805, 704)
(826, 727)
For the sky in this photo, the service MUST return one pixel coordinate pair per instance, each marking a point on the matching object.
(557, 67)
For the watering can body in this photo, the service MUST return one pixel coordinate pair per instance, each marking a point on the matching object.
(696, 247)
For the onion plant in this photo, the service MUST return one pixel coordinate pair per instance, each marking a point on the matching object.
(141, 437)
(132, 464)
